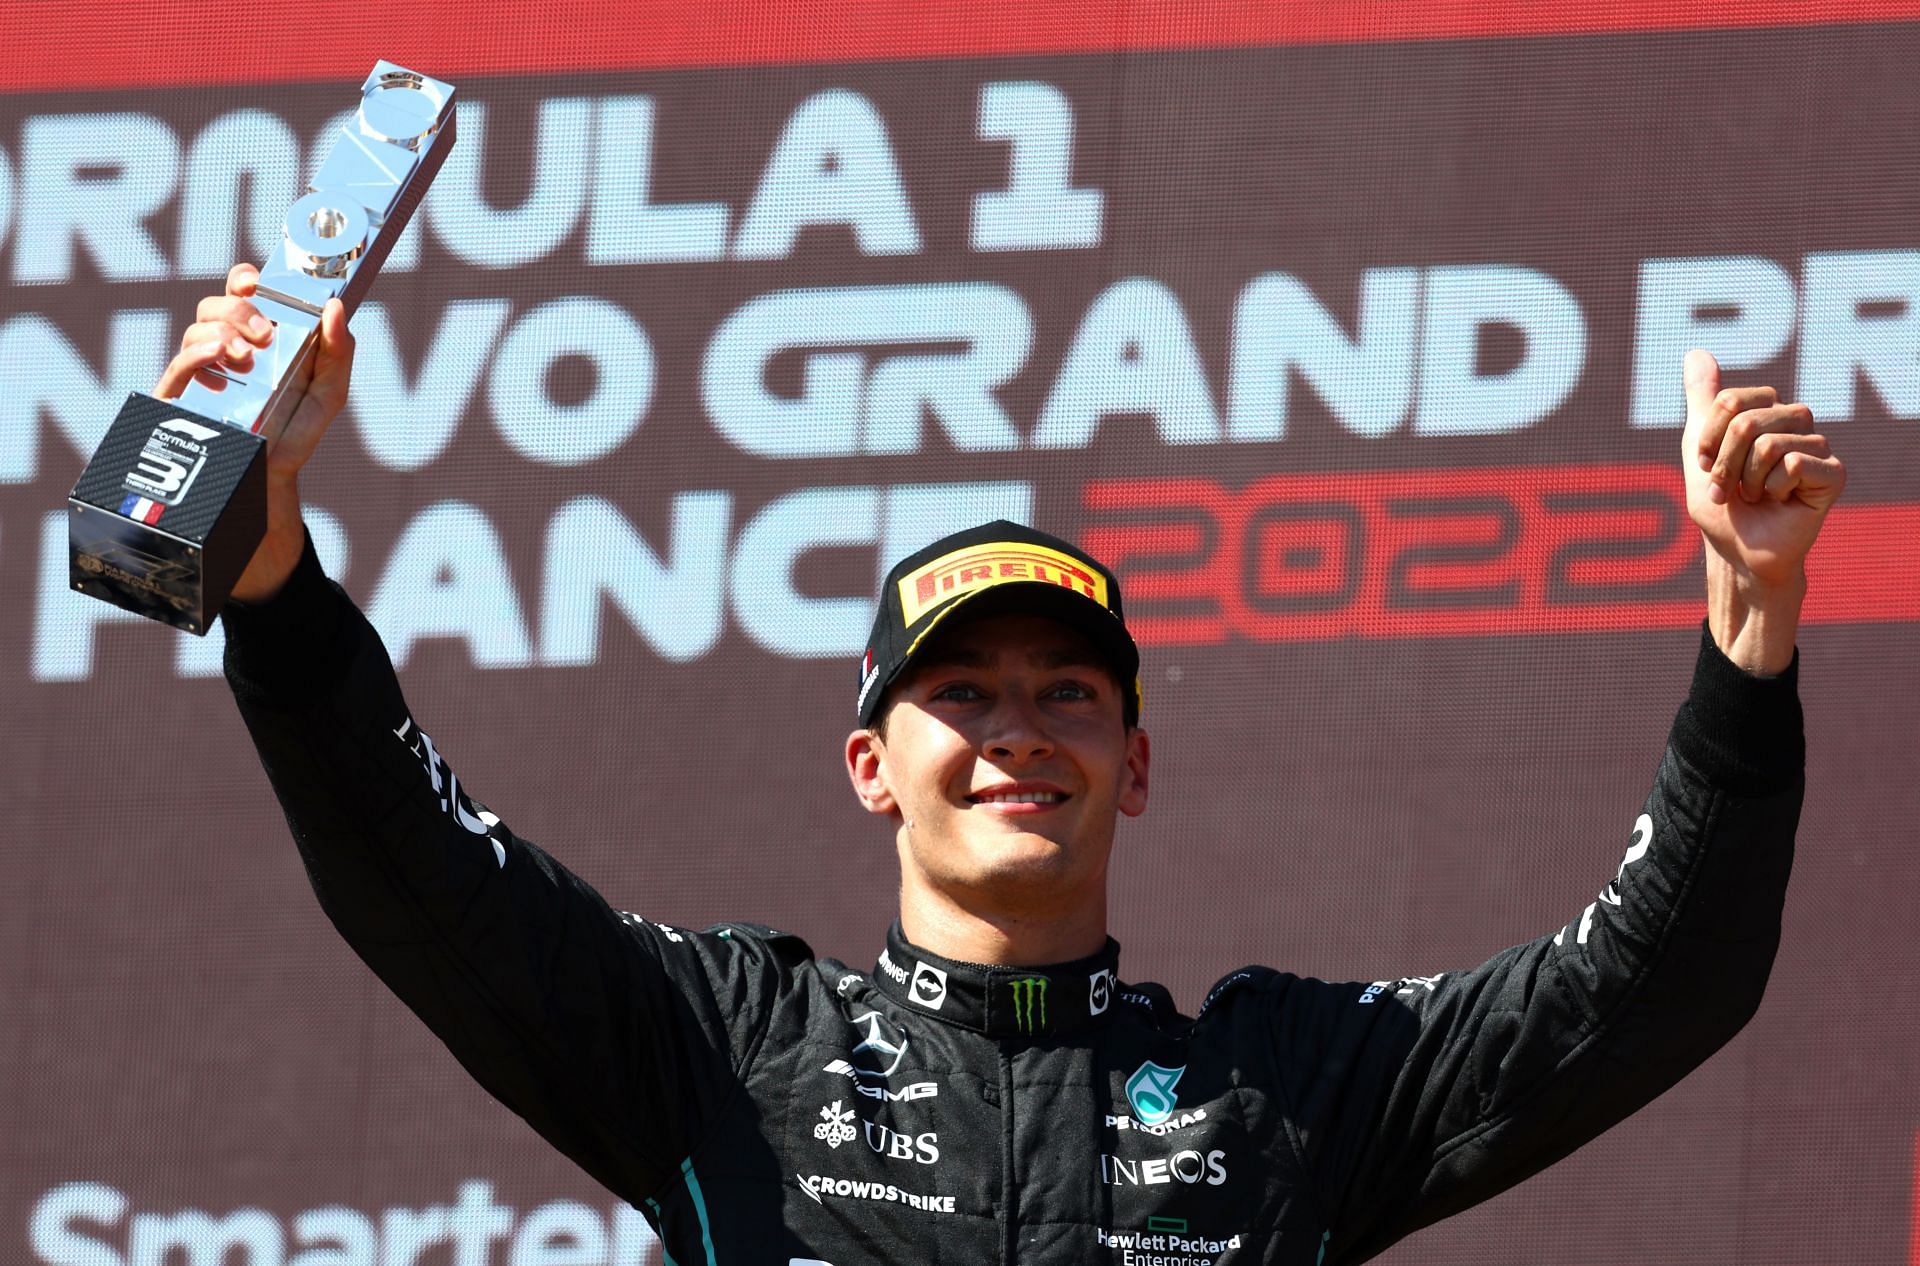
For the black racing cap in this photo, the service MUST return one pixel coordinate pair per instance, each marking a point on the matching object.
(998, 567)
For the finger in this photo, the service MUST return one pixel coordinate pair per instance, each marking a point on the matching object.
(334, 364)
(1721, 411)
(183, 368)
(335, 339)
(236, 348)
(1701, 372)
(243, 316)
(1765, 454)
(1816, 481)
(1740, 433)
(242, 279)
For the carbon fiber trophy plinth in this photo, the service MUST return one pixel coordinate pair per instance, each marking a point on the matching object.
(174, 502)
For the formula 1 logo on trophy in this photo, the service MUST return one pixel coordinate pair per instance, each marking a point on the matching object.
(173, 503)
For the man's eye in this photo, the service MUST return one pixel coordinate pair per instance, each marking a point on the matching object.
(958, 691)
(1072, 690)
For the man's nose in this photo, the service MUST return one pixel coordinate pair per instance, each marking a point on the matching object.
(1017, 731)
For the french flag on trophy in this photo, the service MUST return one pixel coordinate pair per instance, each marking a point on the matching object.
(142, 509)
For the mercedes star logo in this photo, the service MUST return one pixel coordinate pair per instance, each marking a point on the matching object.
(885, 1054)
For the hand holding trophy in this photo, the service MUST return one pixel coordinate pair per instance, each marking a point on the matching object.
(173, 503)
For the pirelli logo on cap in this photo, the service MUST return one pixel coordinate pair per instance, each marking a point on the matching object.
(983, 566)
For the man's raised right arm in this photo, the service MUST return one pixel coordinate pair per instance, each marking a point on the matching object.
(615, 1038)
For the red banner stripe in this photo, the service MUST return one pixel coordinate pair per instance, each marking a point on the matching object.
(1866, 567)
(48, 46)
(1452, 553)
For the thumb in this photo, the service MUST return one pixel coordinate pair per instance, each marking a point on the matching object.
(333, 327)
(336, 343)
(333, 359)
(1702, 374)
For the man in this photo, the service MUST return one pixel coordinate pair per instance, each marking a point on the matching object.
(992, 1091)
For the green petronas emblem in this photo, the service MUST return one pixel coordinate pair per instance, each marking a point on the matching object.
(1030, 1003)
(1150, 1091)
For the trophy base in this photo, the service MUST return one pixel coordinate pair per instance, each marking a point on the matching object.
(168, 513)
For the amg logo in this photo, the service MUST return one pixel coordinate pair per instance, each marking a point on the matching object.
(918, 1090)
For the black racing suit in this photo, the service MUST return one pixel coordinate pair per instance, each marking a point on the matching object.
(762, 1106)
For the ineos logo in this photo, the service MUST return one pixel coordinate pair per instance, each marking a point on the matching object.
(929, 987)
(1099, 991)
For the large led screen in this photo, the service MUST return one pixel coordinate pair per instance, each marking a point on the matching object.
(1352, 344)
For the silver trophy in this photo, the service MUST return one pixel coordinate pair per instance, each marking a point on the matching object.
(173, 503)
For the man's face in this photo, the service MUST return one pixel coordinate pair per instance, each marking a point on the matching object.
(1005, 760)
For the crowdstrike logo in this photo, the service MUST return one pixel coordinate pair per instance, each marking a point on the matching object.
(929, 986)
(818, 1185)
(1030, 1003)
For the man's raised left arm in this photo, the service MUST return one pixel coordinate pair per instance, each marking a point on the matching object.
(1419, 1097)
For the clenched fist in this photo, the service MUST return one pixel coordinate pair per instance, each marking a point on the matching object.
(1759, 485)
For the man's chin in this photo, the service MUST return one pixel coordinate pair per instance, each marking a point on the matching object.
(1024, 857)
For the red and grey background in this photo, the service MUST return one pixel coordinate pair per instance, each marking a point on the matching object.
(1407, 670)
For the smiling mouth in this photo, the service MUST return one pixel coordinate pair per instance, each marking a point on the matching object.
(1019, 797)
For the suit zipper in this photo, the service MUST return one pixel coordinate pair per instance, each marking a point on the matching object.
(1009, 1192)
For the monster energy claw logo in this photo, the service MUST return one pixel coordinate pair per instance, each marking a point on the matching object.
(1030, 1003)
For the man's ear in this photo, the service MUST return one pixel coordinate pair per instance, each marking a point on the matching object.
(867, 771)
(1133, 781)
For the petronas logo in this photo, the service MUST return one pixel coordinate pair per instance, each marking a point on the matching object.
(1030, 1003)
(1150, 1091)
